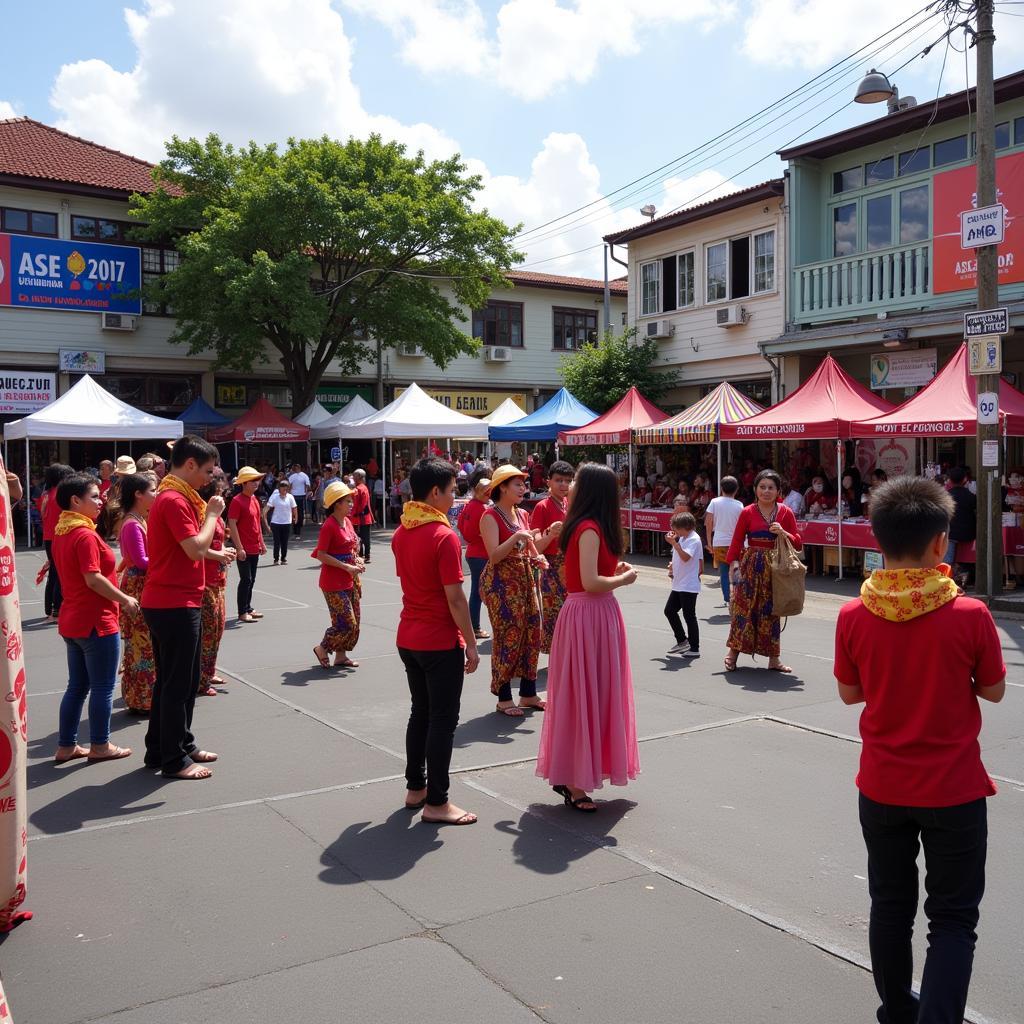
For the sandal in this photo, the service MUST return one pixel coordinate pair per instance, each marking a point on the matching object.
(206, 691)
(575, 802)
(416, 806)
(730, 664)
(190, 772)
(510, 712)
(256, 615)
(115, 755)
(347, 663)
(323, 657)
(218, 681)
(79, 753)
(541, 705)
(246, 618)
(481, 634)
(780, 668)
(466, 819)
(203, 756)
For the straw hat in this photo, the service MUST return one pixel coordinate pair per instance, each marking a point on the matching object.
(503, 473)
(125, 465)
(335, 491)
(247, 473)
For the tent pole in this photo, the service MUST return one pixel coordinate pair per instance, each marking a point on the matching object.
(28, 499)
(718, 486)
(384, 481)
(839, 504)
(629, 488)
(236, 457)
(280, 456)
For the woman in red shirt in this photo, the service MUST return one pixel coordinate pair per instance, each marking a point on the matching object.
(337, 549)
(589, 733)
(546, 522)
(88, 620)
(214, 610)
(476, 553)
(49, 512)
(754, 629)
(245, 524)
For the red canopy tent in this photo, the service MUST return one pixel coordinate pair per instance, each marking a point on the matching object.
(262, 424)
(616, 426)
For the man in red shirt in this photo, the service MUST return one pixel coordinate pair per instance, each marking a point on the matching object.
(245, 525)
(362, 513)
(435, 637)
(918, 655)
(180, 531)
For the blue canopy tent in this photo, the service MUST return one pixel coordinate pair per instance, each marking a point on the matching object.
(561, 412)
(200, 415)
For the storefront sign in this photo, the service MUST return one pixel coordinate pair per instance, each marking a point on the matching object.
(76, 277)
(909, 369)
(955, 268)
(26, 392)
(984, 226)
(229, 395)
(83, 361)
(986, 321)
(472, 403)
(335, 397)
(892, 456)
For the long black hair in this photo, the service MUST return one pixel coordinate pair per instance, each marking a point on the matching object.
(595, 496)
(54, 474)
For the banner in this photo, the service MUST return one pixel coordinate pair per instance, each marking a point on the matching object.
(75, 277)
(955, 269)
(903, 369)
(26, 392)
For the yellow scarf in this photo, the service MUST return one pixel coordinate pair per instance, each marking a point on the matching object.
(419, 513)
(69, 521)
(899, 595)
(174, 483)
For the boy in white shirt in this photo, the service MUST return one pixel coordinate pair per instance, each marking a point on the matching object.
(687, 559)
(720, 521)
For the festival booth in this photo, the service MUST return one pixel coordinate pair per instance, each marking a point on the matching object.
(200, 416)
(508, 412)
(262, 424)
(332, 428)
(313, 414)
(559, 413)
(85, 412)
(823, 408)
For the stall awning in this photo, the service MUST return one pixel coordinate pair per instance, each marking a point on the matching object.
(618, 424)
(262, 424)
(313, 414)
(355, 411)
(561, 412)
(414, 414)
(200, 415)
(699, 424)
(508, 412)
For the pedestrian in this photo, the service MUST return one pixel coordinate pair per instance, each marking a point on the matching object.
(88, 620)
(213, 617)
(687, 560)
(106, 482)
(362, 513)
(50, 512)
(720, 521)
(245, 529)
(280, 514)
(546, 522)
(589, 732)
(508, 586)
(918, 654)
(138, 666)
(181, 528)
(434, 638)
(963, 525)
(300, 485)
(476, 553)
(753, 628)
(337, 549)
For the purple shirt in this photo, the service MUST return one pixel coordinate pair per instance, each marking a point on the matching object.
(134, 548)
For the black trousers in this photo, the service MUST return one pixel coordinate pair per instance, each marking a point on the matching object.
(53, 596)
(435, 685)
(677, 600)
(364, 539)
(300, 505)
(176, 634)
(280, 532)
(955, 841)
(246, 581)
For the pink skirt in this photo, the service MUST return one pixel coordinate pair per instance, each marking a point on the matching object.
(589, 732)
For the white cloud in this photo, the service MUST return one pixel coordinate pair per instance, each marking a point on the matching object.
(6, 110)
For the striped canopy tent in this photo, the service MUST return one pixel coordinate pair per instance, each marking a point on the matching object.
(700, 422)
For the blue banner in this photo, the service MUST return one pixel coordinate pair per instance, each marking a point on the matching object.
(76, 277)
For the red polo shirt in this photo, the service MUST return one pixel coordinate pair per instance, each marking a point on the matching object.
(469, 526)
(245, 510)
(337, 540)
(545, 513)
(173, 579)
(83, 610)
(50, 515)
(427, 558)
(214, 572)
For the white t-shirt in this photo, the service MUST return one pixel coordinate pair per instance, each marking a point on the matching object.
(282, 508)
(299, 482)
(726, 512)
(686, 575)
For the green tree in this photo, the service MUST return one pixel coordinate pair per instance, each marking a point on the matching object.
(600, 373)
(318, 248)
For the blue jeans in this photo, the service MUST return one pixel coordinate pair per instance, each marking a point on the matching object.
(92, 672)
(951, 552)
(476, 568)
(723, 572)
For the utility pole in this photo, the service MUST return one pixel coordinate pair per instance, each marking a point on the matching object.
(989, 556)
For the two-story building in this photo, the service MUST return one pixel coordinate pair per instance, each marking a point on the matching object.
(708, 283)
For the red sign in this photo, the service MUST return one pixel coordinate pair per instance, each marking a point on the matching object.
(955, 269)
(653, 520)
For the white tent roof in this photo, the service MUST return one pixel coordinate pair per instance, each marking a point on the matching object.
(415, 414)
(508, 412)
(89, 413)
(358, 409)
(312, 414)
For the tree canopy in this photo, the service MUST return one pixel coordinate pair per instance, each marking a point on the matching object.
(318, 248)
(600, 373)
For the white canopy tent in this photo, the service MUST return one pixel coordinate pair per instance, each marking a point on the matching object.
(313, 414)
(356, 410)
(508, 412)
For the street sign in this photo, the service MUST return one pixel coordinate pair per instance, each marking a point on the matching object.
(335, 454)
(986, 321)
(988, 408)
(985, 355)
(984, 226)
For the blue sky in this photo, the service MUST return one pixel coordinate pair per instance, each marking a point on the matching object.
(555, 102)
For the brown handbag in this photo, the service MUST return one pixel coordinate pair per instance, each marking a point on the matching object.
(788, 578)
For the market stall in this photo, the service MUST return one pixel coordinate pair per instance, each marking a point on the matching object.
(559, 413)
(313, 414)
(200, 416)
(262, 424)
(508, 412)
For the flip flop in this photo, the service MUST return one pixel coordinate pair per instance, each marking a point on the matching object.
(219, 681)
(73, 757)
(542, 706)
(324, 659)
(481, 634)
(256, 615)
(201, 772)
(780, 668)
(466, 819)
(416, 806)
(347, 663)
(202, 757)
(510, 712)
(115, 755)
(730, 666)
(206, 691)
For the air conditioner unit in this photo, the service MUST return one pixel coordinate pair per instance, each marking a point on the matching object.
(497, 354)
(118, 322)
(660, 329)
(410, 349)
(731, 316)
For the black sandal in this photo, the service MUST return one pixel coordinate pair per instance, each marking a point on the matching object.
(574, 803)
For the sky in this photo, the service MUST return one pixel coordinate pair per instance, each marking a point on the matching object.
(558, 105)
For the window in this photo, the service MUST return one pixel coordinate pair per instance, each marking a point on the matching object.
(881, 170)
(1002, 135)
(650, 288)
(914, 160)
(157, 392)
(1018, 130)
(879, 222)
(845, 181)
(844, 230)
(155, 264)
(739, 268)
(717, 272)
(99, 229)
(950, 151)
(764, 261)
(499, 323)
(685, 292)
(914, 214)
(574, 328)
(29, 222)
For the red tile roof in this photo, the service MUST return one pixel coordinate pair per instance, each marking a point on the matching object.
(32, 150)
(529, 279)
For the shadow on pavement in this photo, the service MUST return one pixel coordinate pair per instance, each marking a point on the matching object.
(761, 680)
(114, 799)
(365, 852)
(494, 728)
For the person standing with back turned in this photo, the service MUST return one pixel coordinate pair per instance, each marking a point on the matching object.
(362, 513)
(245, 528)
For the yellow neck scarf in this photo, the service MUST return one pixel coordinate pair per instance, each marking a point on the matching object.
(418, 513)
(69, 521)
(174, 483)
(899, 595)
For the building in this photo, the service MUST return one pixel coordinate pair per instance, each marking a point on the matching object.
(707, 283)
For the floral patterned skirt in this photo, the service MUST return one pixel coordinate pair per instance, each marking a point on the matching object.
(552, 595)
(754, 629)
(213, 619)
(138, 666)
(343, 632)
(510, 592)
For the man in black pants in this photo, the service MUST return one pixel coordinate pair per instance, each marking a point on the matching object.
(362, 513)
(435, 637)
(180, 530)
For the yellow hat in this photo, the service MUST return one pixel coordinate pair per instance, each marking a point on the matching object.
(503, 473)
(247, 473)
(335, 491)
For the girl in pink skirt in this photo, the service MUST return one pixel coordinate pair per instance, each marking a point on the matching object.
(589, 732)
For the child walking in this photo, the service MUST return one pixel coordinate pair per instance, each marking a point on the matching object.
(918, 655)
(687, 559)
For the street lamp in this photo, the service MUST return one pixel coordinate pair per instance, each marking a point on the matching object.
(875, 87)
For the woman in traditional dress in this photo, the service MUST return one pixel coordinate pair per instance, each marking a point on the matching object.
(546, 522)
(214, 609)
(508, 586)
(340, 567)
(754, 629)
(135, 497)
(476, 554)
(589, 733)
